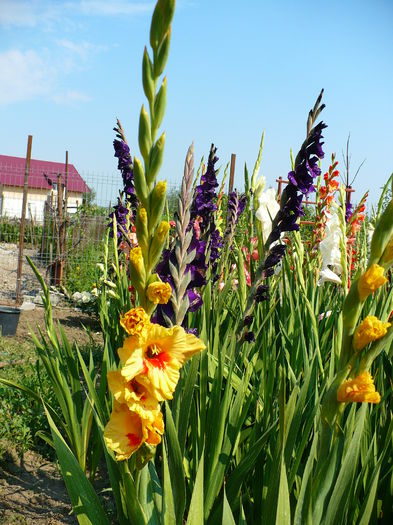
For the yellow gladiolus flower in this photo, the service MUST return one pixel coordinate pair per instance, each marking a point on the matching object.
(358, 390)
(143, 214)
(155, 359)
(135, 321)
(162, 231)
(370, 281)
(136, 259)
(126, 431)
(159, 292)
(134, 395)
(370, 329)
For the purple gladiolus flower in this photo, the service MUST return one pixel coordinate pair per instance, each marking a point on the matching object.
(348, 211)
(204, 206)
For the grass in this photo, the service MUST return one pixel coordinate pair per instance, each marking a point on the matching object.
(21, 417)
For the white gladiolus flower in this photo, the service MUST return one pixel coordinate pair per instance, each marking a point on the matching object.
(330, 248)
(370, 233)
(327, 275)
(268, 208)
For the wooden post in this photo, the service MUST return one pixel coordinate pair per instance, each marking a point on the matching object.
(59, 263)
(23, 220)
(280, 180)
(65, 215)
(232, 173)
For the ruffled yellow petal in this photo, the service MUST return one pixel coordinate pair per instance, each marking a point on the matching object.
(133, 362)
(135, 321)
(159, 292)
(370, 281)
(174, 341)
(135, 395)
(358, 390)
(370, 329)
(160, 376)
(155, 430)
(125, 432)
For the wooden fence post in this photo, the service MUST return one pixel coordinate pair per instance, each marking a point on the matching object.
(23, 220)
(232, 173)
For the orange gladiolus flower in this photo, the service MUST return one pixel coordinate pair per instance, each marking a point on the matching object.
(358, 390)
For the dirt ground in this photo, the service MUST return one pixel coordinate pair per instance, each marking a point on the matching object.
(32, 490)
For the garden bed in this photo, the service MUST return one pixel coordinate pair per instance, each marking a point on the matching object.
(31, 488)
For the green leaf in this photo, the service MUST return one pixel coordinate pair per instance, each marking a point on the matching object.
(227, 516)
(84, 500)
(176, 466)
(283, 516)
(195, 513)
(168, 515)
(341, 492)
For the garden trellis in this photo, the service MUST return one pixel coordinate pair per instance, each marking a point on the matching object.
(77, 234)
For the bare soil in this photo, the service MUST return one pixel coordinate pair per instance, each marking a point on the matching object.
(32, 492)
(31, 488)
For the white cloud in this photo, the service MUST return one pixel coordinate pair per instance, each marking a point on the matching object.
(17, 13)
(24, 13)
(48, 14)
(71, 97)
(81, 49)
(23, 75)
(115, 8)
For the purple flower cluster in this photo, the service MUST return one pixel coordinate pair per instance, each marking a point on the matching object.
(120, 211)
(124, 165)
(197, 270)
(204, 206)
(236, 205)
(348, 211)
(202, 213)
(300, 183)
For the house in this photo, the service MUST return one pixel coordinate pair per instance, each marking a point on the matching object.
(42, 187)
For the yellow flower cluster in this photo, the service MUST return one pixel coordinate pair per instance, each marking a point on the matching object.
(151, 359)
(358, 390)
(370, 329)
(159, 292)
(370, 281)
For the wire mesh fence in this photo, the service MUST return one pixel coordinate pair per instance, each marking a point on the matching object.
(65, 223)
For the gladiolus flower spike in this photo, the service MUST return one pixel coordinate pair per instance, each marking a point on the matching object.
(151, 358)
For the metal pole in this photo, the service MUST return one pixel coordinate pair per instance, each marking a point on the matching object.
(232, 173)
(65, 215)
(23, 220)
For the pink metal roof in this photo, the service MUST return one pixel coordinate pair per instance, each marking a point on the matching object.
(43, 174)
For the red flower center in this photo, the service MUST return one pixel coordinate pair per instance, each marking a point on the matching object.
(133, 439)
(156, 357)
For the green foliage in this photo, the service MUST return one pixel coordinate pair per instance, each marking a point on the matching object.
(10, 231)
(22, 418)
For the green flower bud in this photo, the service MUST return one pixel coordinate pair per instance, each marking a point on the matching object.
(140, 182)
(161, 57)
(147, 76)
(144, 135)
(159, 106)
(137, 270)
(157, 203)
(155, 160)
(158, 243)
(141, 228)
(161, 21)
(382, 235)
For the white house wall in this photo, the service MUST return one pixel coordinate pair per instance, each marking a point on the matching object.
(11, 203)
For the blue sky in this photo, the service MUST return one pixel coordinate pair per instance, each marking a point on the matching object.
(68, 69)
